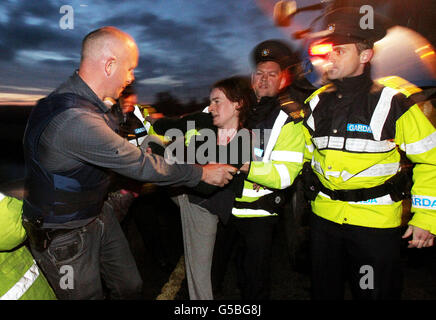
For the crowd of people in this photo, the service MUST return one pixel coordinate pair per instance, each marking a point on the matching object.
(343, 143)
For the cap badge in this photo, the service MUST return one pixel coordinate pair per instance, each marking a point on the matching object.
(331, 27)
(265, 52)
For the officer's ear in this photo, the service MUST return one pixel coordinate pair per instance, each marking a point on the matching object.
(366, 55)
(109, 66)
(285, 80)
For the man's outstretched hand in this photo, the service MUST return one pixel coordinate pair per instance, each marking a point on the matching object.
(218, 174)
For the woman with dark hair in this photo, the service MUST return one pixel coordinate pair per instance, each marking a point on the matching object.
(230, 100)
(236, 90)
(202, 207)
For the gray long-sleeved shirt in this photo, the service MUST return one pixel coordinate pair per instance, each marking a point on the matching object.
(79, 135)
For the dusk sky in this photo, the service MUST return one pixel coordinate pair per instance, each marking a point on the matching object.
(185, 45)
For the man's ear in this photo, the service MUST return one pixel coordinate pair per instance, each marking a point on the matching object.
(366, 55)
(282, 83)
(109, 66)
(286, 79)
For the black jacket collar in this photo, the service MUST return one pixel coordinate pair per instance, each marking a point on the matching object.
(353, 85)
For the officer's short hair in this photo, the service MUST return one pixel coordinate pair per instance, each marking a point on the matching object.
(361, 46)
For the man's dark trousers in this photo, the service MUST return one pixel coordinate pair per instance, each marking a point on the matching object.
(254, 258)
(368, 257)
(76, 262)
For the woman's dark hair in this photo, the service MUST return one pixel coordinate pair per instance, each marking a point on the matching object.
(238, 89)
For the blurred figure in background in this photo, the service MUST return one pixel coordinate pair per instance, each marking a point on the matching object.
(129, 116)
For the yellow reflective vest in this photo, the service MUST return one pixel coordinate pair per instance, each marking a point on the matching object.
(358, 148)
(278, 166)
(20, 277)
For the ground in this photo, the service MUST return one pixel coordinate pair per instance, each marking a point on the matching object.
(290, 277)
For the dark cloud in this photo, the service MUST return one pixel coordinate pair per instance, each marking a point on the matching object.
(182, 52)
(17, 34)
(179, 50)
(6, 53)
(56, 64)
(21, 36)
(216, 21)
(45, 10)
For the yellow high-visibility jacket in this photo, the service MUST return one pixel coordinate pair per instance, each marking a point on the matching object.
(277, 165)
(20, 277)
(356, 147)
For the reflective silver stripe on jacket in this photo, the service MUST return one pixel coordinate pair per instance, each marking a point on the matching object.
(420, 146)
(250, 212)
(277, 127)
(312, 103)
(288, 156)
(353, 144)
(20, 288)
(381, 112)
(255, 194)
(377, 170)
(377, 123)
(285, 179)
(364, 145)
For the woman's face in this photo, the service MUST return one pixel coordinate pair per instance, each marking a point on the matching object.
(225, 113)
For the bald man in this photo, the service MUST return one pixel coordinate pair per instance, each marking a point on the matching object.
(69, 148)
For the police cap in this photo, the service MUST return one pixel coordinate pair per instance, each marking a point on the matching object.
(274, 50)
(349, 25)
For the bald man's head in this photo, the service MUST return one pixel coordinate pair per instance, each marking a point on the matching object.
(103, 41)
(108, 58)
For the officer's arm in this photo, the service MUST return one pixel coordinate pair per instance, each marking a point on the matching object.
(11, 229)
(417, 137)
(286, 159)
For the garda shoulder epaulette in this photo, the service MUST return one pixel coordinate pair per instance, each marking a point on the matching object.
(319, 91)
(399, 84)
(291, 107)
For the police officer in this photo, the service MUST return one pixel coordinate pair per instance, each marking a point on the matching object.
(278, 159)
(21, 278)
(355, 132)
